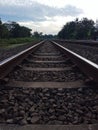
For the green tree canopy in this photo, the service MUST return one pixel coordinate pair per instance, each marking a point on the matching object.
(83, 29)
(4, 33)
(14, 30)
(37, 34)
(19, 31)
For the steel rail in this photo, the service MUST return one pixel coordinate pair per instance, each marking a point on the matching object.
(8, 64)
(87, 66)
(80, 42)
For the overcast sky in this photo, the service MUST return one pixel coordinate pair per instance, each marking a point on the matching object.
(47, 16)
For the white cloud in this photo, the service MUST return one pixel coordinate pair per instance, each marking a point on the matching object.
(49, 26)
(47, 15)
(37, 16)
(16, 2)
(45, 27)
(36, 11)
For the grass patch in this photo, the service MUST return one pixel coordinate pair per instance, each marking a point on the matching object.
(13, 42)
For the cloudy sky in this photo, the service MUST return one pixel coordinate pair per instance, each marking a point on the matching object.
(47, 16)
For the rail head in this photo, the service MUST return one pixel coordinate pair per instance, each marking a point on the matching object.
(87, 66)
(19, 54)
(91, 43)
(8, 64)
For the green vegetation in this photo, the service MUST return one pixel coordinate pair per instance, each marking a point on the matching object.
(13, 30)
(13, 42)
(12, 35)
(45, 36)
(83, 29)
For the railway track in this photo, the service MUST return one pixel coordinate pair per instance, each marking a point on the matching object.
(86, 49)
(48, 84)
(81, 42)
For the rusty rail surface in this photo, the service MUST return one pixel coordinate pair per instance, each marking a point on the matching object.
(7, 65)
(87, 66)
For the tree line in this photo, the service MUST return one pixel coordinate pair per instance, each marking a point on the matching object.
(13, 30)
(79, 29)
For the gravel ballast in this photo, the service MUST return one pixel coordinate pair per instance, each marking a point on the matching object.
(6, 53)
(58, 76)
(88, 52)
(48, 106)
(61, 105)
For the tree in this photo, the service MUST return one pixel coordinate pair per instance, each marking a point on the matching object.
(0, 28)
(83, 29)
(37, 34)
(4, 33)
(25, 32)
(13, 30)
(19, 31)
